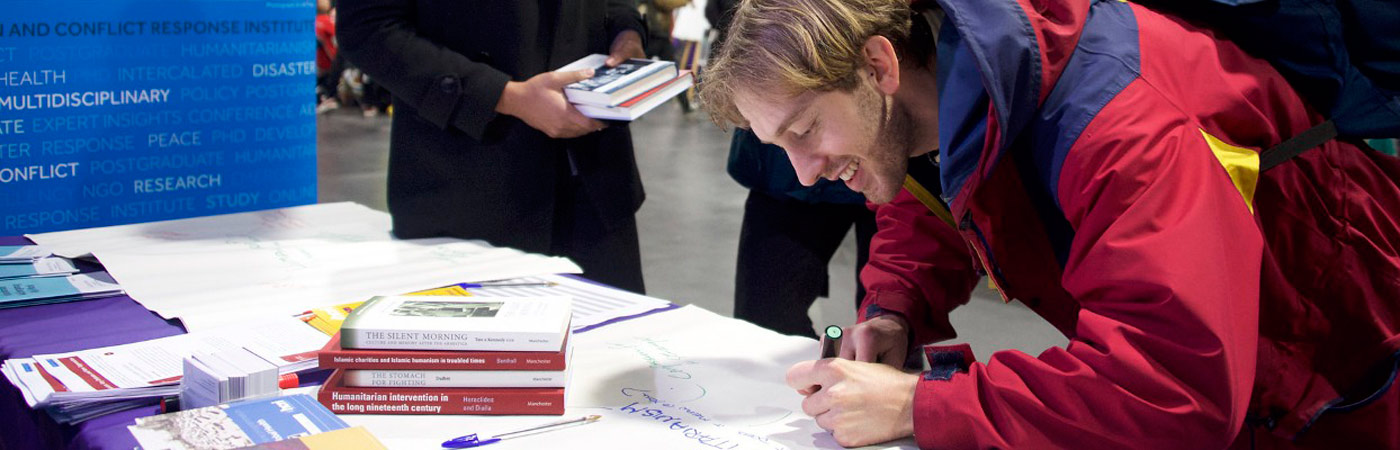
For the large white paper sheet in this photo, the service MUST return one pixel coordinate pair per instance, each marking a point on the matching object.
(680, 379)
(217, 284)
(346, 222)
(216, 270)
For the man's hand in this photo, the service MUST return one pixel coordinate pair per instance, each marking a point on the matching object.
(540, 102)
(861, 403)
(627, 44)
(883, 339)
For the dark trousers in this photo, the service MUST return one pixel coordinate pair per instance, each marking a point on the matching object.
(608, 255)
(328, 81)
(784, 249)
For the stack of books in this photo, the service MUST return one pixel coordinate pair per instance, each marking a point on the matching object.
(450, 355)
(626, 91)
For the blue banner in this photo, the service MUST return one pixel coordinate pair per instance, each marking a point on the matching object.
(122, 111)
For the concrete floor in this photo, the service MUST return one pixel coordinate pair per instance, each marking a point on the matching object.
(689, 225)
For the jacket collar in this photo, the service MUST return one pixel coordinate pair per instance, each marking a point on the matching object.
(997, 60)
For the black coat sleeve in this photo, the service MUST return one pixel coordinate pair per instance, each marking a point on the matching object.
(444, 87)
(622, 16)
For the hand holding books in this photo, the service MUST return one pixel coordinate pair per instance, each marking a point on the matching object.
(540, 103)
(565, 103)
(624, 91)
(627, 45)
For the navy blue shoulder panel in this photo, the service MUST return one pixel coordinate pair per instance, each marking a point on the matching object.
(1003, 46)
(1105, 60)
(962, 112)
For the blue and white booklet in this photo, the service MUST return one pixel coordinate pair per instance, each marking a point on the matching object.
(22, 253)
(19, 292)
(42, 267)
(236, 425)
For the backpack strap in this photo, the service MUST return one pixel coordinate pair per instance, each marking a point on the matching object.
(1296, 145)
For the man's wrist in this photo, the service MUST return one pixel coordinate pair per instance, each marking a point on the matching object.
(896, 317)
(509, 98)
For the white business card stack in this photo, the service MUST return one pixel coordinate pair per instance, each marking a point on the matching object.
(215, 378)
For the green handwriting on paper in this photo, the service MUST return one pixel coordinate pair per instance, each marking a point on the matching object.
(462, 255)
(657, 356)
(298, 258)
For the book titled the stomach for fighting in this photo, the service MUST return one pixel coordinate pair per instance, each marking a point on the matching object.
(343, 399)
(526, 324)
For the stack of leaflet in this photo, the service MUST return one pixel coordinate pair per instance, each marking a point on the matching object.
(212, 378)
(32, 261)
(39, 268)
(29, 276)
(15, 254)
(77, 386)
(627, 90)
(18, 292)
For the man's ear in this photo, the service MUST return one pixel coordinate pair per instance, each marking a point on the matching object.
(882, 63)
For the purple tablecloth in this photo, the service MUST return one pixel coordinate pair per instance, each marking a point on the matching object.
(68, 327)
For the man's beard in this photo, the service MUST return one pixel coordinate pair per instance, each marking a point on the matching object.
(891, 140)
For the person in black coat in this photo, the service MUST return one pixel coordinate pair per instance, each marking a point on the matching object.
(484, 144)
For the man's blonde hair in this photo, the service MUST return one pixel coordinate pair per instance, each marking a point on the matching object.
(788, 47)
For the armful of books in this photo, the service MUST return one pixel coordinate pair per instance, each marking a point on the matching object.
(627, 91)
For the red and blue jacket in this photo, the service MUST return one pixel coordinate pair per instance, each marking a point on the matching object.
(1100, 163)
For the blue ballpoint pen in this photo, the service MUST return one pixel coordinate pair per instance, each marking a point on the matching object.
(471, 441)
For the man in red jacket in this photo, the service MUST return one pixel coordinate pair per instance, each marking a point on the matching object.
(1100, 162)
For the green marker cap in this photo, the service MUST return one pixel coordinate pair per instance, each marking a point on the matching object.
(833, 332)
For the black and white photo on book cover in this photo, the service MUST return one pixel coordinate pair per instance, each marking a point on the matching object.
(413, 308)
(602, 75)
